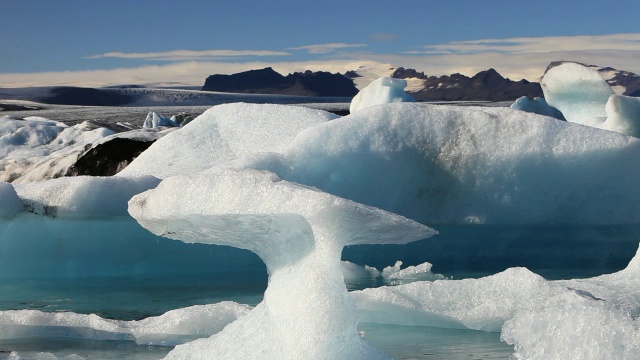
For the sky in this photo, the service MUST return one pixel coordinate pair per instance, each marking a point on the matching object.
(111, 42)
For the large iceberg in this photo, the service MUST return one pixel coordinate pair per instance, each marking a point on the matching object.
(461, 165)
(299, 232)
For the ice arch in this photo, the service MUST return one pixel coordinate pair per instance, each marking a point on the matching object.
(299, 232)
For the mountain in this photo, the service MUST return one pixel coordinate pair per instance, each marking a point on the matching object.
(622, 82)
(268, 81)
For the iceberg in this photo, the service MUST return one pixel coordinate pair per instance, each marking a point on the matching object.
(384, 90)
(467, 165)
(538, 106)
(222, 134)
(155, 120)
(579, 92)
(299, 233)
(623, 115)
(169, 329)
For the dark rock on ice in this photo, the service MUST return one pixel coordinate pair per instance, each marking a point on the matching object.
(108, 158)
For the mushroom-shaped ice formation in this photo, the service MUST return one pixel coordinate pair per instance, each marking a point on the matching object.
(299, 232)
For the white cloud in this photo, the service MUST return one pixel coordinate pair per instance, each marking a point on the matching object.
(191, 73)
(326, 48)
(624, 42)
(516, 58)
(182, 55)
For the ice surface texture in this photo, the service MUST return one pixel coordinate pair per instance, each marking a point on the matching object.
(299, 232)
(381, 91)
(537, 106)
(224, 133)
(457, 165)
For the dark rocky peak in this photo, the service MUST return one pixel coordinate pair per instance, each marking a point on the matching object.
(490, 78)
(402, 73)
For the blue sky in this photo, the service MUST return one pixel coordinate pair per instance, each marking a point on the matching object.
(102, 42)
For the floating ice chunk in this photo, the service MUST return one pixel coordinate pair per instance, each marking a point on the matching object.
(83, 196)
(155, 120)
(623, 115)
(536, 105)
(421, 272)
(448, 164)
(17, 134)
(579, 92)
(169, 329)
(381, 91)
(299, 232)
(224, 133)
(480, 304)
(11, 203)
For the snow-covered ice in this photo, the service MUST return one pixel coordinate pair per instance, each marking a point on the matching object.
(461, 165)
(381, 91)
(222, 134)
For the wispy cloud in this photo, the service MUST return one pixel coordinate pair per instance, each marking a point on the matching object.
(326, 48)
(626, 42)
(184, 55)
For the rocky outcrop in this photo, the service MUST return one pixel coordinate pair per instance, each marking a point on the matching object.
(108, 158)
(268, 81)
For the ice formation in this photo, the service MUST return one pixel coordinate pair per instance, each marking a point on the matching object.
(299, 232)
(537, 106)
(225, 133)
(38, 149)
(591, 318)
(457, 165)
(83, 196)
(172, 328)
(11, 203)
(155, 120)
(578, 92)
(623, 115)
(381, 91)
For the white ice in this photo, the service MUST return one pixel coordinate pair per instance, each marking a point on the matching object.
(579, 92)
(155, 120)
(460, 165)
(591, 318)
(299, 232)
(36, 149)
(83, 196)
(623, 115)
(536, 105)
(381, 91)
(224, 133)
(169, 329)
(11, 203)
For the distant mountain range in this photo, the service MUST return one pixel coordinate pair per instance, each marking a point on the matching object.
(267, 85)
